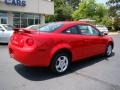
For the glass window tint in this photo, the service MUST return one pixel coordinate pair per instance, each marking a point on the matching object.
(50, 27)
(30, 16)
(35, 27)
(88, 30)
(72, 30)
(30, 21)
(26, 15)
(22, 20)
(84, 29)
(16, 15)
(23, 16)
(36, 16)
(3, 14)
(4, 20)
(36, 21)
(16, 22)
(94, 31)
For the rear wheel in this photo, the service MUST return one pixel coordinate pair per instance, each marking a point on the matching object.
(60, 63)
(109, 50)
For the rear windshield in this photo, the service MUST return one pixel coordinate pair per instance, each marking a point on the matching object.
(51, 27)
(35, 27)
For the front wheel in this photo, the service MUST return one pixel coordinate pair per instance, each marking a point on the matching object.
(109, 50)
(60, 63)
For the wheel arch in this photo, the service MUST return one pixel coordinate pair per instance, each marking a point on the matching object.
(65, 50)
(111, 42)
(57, 50)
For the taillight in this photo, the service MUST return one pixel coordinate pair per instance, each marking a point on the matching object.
(29, 41)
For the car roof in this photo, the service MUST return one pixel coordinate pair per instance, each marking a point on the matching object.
(71, 22)
(34, 25)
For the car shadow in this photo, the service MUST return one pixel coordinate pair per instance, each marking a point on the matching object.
(3, 44)
(42, 74)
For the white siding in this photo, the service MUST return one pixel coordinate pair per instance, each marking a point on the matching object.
(32, 6)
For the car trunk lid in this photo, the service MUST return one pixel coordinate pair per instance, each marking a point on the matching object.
(23, 37)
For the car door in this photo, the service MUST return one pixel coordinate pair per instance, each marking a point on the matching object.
(1, 34)
(73, 37)
(7, 33)
(94, 43)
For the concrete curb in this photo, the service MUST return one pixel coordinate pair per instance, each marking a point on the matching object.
(113, 33)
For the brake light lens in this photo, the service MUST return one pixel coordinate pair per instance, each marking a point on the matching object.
(30, 42)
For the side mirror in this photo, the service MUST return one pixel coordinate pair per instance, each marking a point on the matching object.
(106, 34)
(102, 34)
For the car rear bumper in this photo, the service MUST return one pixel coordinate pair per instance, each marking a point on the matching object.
(4, 41)
(32, 58)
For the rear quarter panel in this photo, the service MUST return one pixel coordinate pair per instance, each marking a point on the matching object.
(56, 42)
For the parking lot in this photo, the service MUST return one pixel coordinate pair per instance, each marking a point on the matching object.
(99, 73)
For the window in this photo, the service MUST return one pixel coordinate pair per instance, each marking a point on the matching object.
(25, 19)
(87, 30)
(37, 19)
(36, 27)
(4, 20)
(16, 20)
(3, 17)
(50, 27)
(72, 30)
(3, 14)
(84, 29)
(94, 31)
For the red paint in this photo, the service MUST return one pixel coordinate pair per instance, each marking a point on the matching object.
(33, 48)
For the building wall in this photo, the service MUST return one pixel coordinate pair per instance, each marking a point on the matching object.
(10, 18)
(32, 6)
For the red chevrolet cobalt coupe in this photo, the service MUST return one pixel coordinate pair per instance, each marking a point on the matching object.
(58, 44)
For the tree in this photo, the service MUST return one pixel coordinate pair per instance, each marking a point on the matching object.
(62, 12)
(114, 13)
(93, 10)
(73, 3)
(101, 10)
(101, 13)
(86, 9)
(114, 7)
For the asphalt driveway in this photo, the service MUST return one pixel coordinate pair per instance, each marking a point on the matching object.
(99, 73)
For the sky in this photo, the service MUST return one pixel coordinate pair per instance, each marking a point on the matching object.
(101, 1)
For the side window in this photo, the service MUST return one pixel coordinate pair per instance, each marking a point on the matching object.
(84, 29)
(71, 30)
(93, 31)
(87, 30)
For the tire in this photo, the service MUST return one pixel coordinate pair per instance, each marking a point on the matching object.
(109, 50)
(60, 63)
